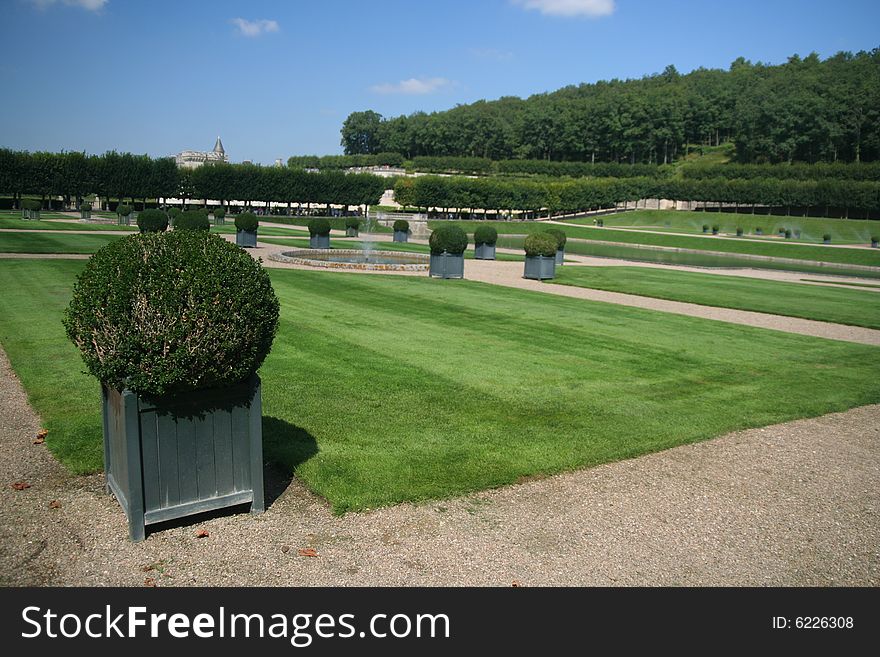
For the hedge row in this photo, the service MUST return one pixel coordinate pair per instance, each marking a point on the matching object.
(860, 171)
(344, 161)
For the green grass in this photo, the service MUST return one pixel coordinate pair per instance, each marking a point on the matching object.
(381, 389)
(54, 242)
(841, 282)
(407, 247)
(229, 229)
(826, 304)
(336, 223)
(14, 223)
(842, 231)
(731, 246)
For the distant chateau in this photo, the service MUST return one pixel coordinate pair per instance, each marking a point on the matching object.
(195, 159)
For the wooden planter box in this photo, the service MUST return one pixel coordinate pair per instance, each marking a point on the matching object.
(30, 214)
(447, 265)
(85, 214)
(401, 236)
(319, 242)
(560, 256)
(124, 221)
(174, 459)
(540, 268)
(484, 252)
(875, 244)
(351, 232)
(246, 238)
(219, 221)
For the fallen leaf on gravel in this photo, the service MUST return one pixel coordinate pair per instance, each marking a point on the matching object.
(202, 533)
(285, 549)
(307, 552)
(147, 568)
(149, 581)
(54, 504)
(20, 485)
(41, 436)
(516, 583)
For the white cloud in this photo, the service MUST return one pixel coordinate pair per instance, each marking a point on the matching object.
(90, 5)
(254, 28)
(591, 8)
(413, 86)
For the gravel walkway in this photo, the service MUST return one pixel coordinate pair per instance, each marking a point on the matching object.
(791, 504)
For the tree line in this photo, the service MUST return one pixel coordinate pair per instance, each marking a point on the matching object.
(122, 176)
(500, 196)
(807, 110)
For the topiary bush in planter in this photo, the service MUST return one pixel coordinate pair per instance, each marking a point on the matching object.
(705, 228)
(85, 210)
(246, 225)
(788, 233)
(759, 230)
(561, 239)
(826, 238)
(176, 349)
(600, 223)
(540, 251)
(173, 214)
(401, 230)
(875, 241)
(30, 208)
(219, 216)
(192, 220)
(715, 229)
(485, 238)
(352, 226)
(448, 244)
(319, 233)
(739, 232)
(123, 214)
(152, 221)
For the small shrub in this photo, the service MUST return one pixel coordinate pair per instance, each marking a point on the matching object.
(152, 221)
(174, 213)
(739, 232)
(560, 236)
(715, 230)
(219, 213)
(875, 240)
(705, 228)
(449, 238)
(247, 221)
(600, 223)
(826, 237)
(787, 233)
(150, 313)
(192, 220)
(401, 225)
(31, 205)
(540, 244)
(319, 226)
(352, 222)
(85, 207)
(123, 210)
(485, 234)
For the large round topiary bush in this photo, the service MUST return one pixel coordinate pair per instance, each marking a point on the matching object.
(85, 207)
(449, 238)
(560, 236)
(174, 213)
(149, 313)
(541, 244)
(247, 221)
(31, 205)
(192, 220)
(485, 235)
(401, 225)
(352, 222)
(319, 226)
(219, 213)
(123, 210)
(152, 221)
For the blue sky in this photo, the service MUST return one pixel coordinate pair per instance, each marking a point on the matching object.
(276, 79)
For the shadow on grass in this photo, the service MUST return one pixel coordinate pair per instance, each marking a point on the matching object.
(285, 447)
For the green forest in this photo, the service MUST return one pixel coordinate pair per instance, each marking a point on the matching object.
(805, 110)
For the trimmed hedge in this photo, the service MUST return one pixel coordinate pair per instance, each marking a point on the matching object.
(192, 220)
(449, 238)
(150, 313)
(485, 235)
(319, 226)
(402, 225)
(85, 207)
(352, 222)
(123, 210)
(247, 221)
(152, 221)
(31, 205)
(219, 213)
(541, 244)
(560, 236)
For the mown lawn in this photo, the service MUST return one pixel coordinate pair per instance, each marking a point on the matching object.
(15, 223)
(55, 242)
(826, 304)
(381, 389)
(842, 231)
(717, 244)
(408, 247)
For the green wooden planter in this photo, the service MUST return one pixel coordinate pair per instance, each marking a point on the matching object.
(33, 215)
(540, 268)
(219, 221)
(351, 232)
(446, 265)
(319, 242)
(123, 221)
(401, 236)
(560, 256)
(875, 244)
(484, 252)
(246, 238)
(172, 459)
(85, 214)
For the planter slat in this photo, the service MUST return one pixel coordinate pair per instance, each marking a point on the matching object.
(206, 469)
(241, 474)
(199, 506)
(150, 440)
(187, 478)
(223, 454)
(169, 489)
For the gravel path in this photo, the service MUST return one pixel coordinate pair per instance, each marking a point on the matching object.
(791, 504)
